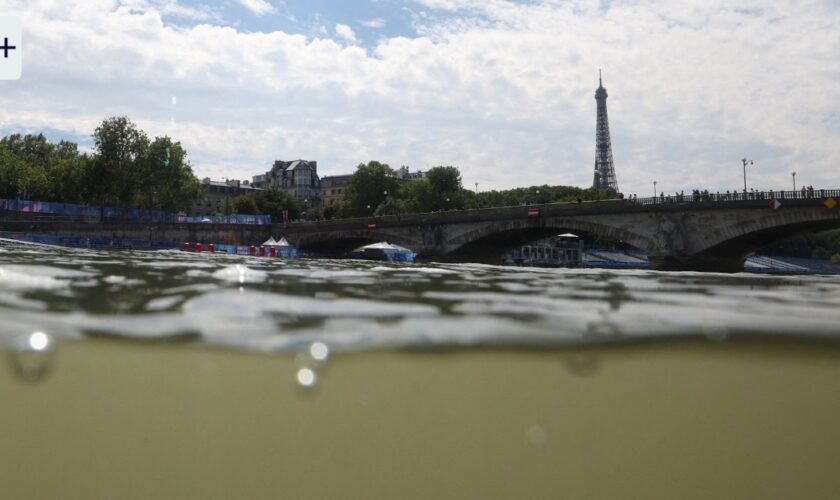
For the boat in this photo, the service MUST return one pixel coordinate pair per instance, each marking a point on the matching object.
(384, 251)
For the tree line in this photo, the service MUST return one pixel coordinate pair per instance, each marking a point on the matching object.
(126, 169)
(376, 189)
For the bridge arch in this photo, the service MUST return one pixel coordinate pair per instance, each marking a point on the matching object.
(344, 242)
(761, 235)
(490, 241)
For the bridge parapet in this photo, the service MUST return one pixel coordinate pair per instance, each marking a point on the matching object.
(704, 231)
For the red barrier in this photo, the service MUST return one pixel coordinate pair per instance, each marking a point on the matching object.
(272, 252)
(252, 250)
(198, 247)
(211, 248)
(186, 247)
(262, 251)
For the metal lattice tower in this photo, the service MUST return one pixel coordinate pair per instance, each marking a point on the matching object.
(604, 169)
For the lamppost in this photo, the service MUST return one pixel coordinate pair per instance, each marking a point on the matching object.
(476, 195)
(793, 174)
(654, 191)
(745, 161)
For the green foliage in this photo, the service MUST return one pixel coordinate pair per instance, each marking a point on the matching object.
(441, 190)
(444, 180)
(118, 170)
(274, 201)
(332, 211)
(391, 206)
(166, 177)
(126, 170)
(835, 259)
(418, 197)
(314, 213)
(227, 206)
(271, 202)
(368, 188)
(539, 195)
(33, 168)
(245, 205)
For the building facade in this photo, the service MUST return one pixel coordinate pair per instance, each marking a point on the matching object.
(299, 178)
(216, 192)
(332, 188)
(405, 175)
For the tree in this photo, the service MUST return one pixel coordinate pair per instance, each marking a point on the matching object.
(119, 146)
(273, 201)
(444, 180)
(391, 206)
(418, 197)
(227, 206)
(26, 164)
(369, 187)
(166, 177)
(245, 205)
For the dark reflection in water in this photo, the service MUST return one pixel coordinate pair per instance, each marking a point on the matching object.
(277, 305)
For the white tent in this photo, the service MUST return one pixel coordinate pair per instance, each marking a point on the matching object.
(283, 242)
(270, 242)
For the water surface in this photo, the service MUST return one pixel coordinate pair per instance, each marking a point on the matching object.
(266, 304)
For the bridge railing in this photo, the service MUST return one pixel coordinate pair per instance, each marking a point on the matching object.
(737, 196)
(538, 210)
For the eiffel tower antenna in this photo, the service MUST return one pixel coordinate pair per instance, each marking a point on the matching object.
(604, 177)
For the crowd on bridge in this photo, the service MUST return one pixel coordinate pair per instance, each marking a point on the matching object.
(734, 195)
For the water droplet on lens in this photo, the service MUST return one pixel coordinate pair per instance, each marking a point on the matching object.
(716, 333)
(306, 378)
(319, 351)
(582, 364)
(536, 435)
(32, 356)
(39, 341)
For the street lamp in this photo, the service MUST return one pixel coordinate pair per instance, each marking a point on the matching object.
(476, 195)
(793, 174)
(745, 161)
(654, 191)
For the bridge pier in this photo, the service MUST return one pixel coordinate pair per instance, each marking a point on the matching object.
(701, 263)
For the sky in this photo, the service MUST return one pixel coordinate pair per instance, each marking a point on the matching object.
(502, 89)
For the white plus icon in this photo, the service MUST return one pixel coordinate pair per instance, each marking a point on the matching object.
(10, 50)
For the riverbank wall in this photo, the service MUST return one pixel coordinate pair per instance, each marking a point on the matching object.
(152, 232)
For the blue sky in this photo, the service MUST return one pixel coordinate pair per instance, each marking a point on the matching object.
(369, 19)
(501, 89)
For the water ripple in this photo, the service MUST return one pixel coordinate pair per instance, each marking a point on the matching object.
(289, 305)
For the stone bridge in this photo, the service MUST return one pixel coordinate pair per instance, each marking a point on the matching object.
(704, 233)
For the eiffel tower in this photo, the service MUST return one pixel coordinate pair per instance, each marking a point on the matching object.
(604, 170)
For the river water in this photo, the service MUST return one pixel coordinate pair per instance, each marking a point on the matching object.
(181, 375)
(275, 305)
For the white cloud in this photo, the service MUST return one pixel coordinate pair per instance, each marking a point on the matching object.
(345, 32)
(376, 23)
(500, 89)
(258, 7)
